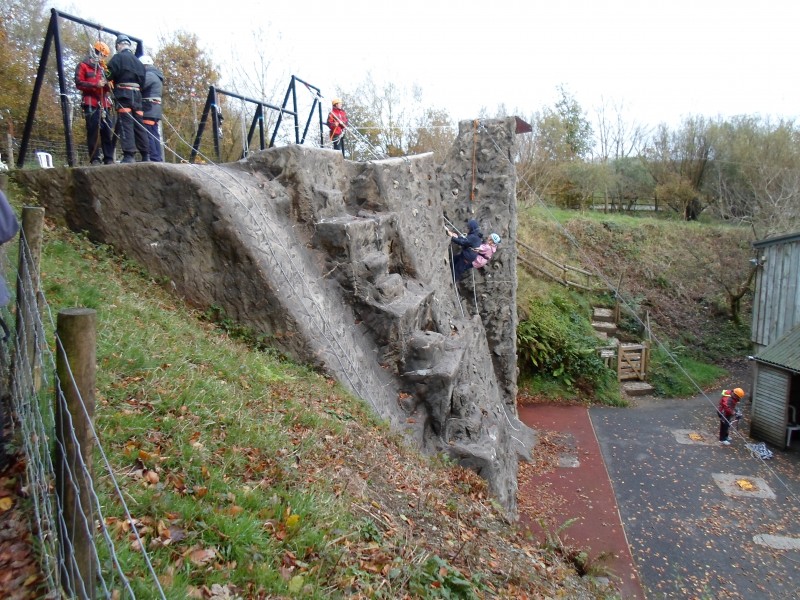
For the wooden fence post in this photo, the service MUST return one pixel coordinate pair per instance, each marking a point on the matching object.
(28, 330)
(74, 410)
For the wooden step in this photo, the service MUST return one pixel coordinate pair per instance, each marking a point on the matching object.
(608, 328)
(603, 314)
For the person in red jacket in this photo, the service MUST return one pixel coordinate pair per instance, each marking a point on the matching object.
(726, 412)
(90, 79)
(337, 122)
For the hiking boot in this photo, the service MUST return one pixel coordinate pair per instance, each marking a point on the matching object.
(96, 161)
(128, 158)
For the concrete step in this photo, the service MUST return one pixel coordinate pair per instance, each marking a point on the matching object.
(637, 388)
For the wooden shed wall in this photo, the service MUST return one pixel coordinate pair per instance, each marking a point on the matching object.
(776, 305)
(770, 400)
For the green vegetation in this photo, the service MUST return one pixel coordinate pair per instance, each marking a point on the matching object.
(558, 351)
(676, 279)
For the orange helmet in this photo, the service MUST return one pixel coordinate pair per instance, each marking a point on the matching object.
(102, 49)
(739, 392)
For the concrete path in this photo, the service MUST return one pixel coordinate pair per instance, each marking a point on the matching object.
(703, 520)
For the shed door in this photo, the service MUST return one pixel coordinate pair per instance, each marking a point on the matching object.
(770, 399)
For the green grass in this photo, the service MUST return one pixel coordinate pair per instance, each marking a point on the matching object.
(673, 374)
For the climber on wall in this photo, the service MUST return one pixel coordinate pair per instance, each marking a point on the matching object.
(475, 253)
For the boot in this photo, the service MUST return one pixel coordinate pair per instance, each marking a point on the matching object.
(128, 157)
(145, 157)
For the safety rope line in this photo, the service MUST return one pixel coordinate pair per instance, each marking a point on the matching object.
(631, 310)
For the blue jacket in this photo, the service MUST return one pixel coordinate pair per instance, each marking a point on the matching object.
(469, 242)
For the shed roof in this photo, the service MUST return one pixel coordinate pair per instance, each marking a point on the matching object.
(784, 352)
(781, 239)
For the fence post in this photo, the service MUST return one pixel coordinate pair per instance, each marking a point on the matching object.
(28, 328)
(74, 410)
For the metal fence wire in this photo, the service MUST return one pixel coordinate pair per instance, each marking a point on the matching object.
(51, 424)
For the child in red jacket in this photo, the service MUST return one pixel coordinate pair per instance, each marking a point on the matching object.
(726, 412)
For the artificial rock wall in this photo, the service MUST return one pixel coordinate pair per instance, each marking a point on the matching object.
(346, 266)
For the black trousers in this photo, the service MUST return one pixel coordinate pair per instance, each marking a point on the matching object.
(131, 131)
(99, 134)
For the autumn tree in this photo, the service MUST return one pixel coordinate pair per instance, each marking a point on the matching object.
(188, 73)
(23, 25)
(433, 131)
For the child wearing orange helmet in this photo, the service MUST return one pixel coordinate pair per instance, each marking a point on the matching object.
(726, 412)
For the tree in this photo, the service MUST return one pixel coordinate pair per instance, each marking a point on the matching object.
(561, 135)
(188, 73)
(756, 174)
(434, 131)
(23, 25)
(678, 162)
(618, 141)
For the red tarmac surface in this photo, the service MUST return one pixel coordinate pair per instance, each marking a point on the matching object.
(583, 492)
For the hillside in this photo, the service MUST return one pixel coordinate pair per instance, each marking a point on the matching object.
(250, 476)
(678, 277)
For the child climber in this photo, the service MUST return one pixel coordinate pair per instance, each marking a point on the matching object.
(726, 412)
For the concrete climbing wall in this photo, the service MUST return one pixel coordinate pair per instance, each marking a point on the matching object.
(346, 266)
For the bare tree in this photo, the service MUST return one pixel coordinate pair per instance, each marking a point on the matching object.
(757, 174)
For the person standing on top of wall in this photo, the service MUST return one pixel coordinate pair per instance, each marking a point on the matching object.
(90, 79)
(464, 259)
(151, 106)
(337, 122)
(726, 412)
(126, 73)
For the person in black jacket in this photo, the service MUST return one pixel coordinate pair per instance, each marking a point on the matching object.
(151, 105)
(126, 73)
(463, 260)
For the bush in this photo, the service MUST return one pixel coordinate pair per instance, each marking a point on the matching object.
(554, 343)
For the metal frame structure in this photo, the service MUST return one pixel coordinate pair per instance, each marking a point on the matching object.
(212, 107)
(53, 37)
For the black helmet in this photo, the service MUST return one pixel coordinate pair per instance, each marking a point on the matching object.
(122, 39)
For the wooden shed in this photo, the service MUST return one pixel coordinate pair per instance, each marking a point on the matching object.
(775, 336)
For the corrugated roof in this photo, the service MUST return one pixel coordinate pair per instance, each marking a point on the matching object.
(784, 353)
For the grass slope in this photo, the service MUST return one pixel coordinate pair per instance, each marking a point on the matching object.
(673, 275)
(252, 477)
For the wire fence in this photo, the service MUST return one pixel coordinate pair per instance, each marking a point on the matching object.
(50, 400)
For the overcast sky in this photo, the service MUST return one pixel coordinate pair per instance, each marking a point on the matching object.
(662, 60)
